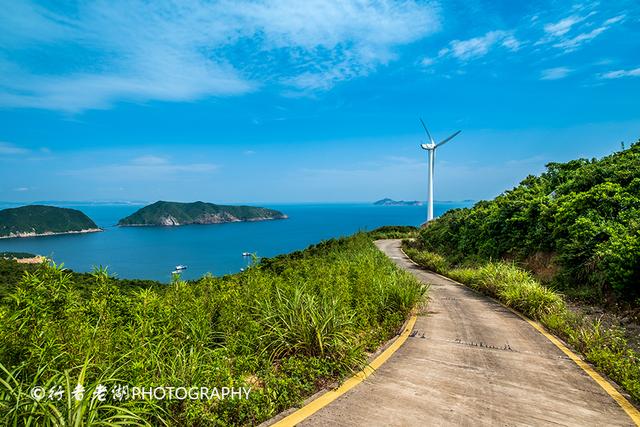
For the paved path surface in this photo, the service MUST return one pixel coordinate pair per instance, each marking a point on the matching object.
(444, 378)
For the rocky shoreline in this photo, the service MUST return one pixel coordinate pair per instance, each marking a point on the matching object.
(213, 219)
(49, 233)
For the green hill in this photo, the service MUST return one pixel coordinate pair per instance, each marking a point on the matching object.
(174, 213)
(36, 220)
(577, 226)
(391, 202)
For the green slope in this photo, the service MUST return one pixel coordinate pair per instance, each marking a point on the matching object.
(41, 219)
(285, 327)
(174, 213)
(578, 223)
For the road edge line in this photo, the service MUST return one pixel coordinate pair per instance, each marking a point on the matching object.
(627, 406)
(328, 397)
(622, 401)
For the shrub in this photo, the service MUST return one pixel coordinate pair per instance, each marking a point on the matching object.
(584, 211)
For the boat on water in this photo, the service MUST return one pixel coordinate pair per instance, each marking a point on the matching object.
(246, 253)
(181, 267)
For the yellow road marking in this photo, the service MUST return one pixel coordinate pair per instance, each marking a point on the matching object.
(356, 379)
(606, 385)
(631, 410)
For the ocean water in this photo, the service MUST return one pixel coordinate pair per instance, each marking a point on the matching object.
(153, 252)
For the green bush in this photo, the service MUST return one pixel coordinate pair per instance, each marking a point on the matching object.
(585, 212)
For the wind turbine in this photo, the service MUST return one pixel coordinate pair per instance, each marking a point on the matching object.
(431, 148)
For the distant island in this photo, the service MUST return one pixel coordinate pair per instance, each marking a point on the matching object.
(41, 220)
(174, 213)
(391, 202)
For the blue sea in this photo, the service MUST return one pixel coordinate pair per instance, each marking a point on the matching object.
(153, 252)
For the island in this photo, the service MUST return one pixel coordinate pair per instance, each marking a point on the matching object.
(391, 202)
(42, 220)
(163, 213)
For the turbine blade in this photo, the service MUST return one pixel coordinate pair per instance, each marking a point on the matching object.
(444, 141)
(426, 130)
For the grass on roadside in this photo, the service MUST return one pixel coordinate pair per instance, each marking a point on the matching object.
(393, 232)
(605, 348)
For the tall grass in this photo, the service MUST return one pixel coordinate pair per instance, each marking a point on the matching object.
(429, 260)
(394, 232)
(513, 286)
(606, 348)
(284, 327)
(20, 408)
(303, 323)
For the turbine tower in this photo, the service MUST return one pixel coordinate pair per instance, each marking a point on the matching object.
(431, 149)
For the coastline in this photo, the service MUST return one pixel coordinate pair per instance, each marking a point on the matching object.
(206, 223)
(49, 233)
(38, 259)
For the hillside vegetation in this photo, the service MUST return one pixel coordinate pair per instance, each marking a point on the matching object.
(174, 213)
(285, 327)
(12, 272)
(577, 226)
(40, 219)
(391, 202)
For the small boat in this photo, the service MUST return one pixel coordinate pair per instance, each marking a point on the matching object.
(242, 269)
(176, 272)
(181, 267)
(246, 253)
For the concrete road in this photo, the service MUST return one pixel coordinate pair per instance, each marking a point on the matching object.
(471, 362)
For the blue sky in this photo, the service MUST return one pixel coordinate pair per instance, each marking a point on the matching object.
(290, 101)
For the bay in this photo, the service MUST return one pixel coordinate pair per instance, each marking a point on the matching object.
(153, 252)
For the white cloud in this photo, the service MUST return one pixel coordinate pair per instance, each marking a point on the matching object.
(427, 62)
(327, 24)
(7, 148)
(326, 79)
(150, 160)
(558, 33)
(562, 27)
(575, 42)
(614, 20)
(187, 50)
(21, 189)
(511, 43)
(621, 73)
(148, 168)
(167, 77)
(556, 73)
(479, 46)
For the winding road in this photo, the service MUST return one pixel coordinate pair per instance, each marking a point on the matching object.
(471, 361)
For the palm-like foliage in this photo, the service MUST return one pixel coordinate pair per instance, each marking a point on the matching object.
(284, 327)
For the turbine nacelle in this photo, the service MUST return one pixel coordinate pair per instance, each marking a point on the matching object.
(432, 144)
